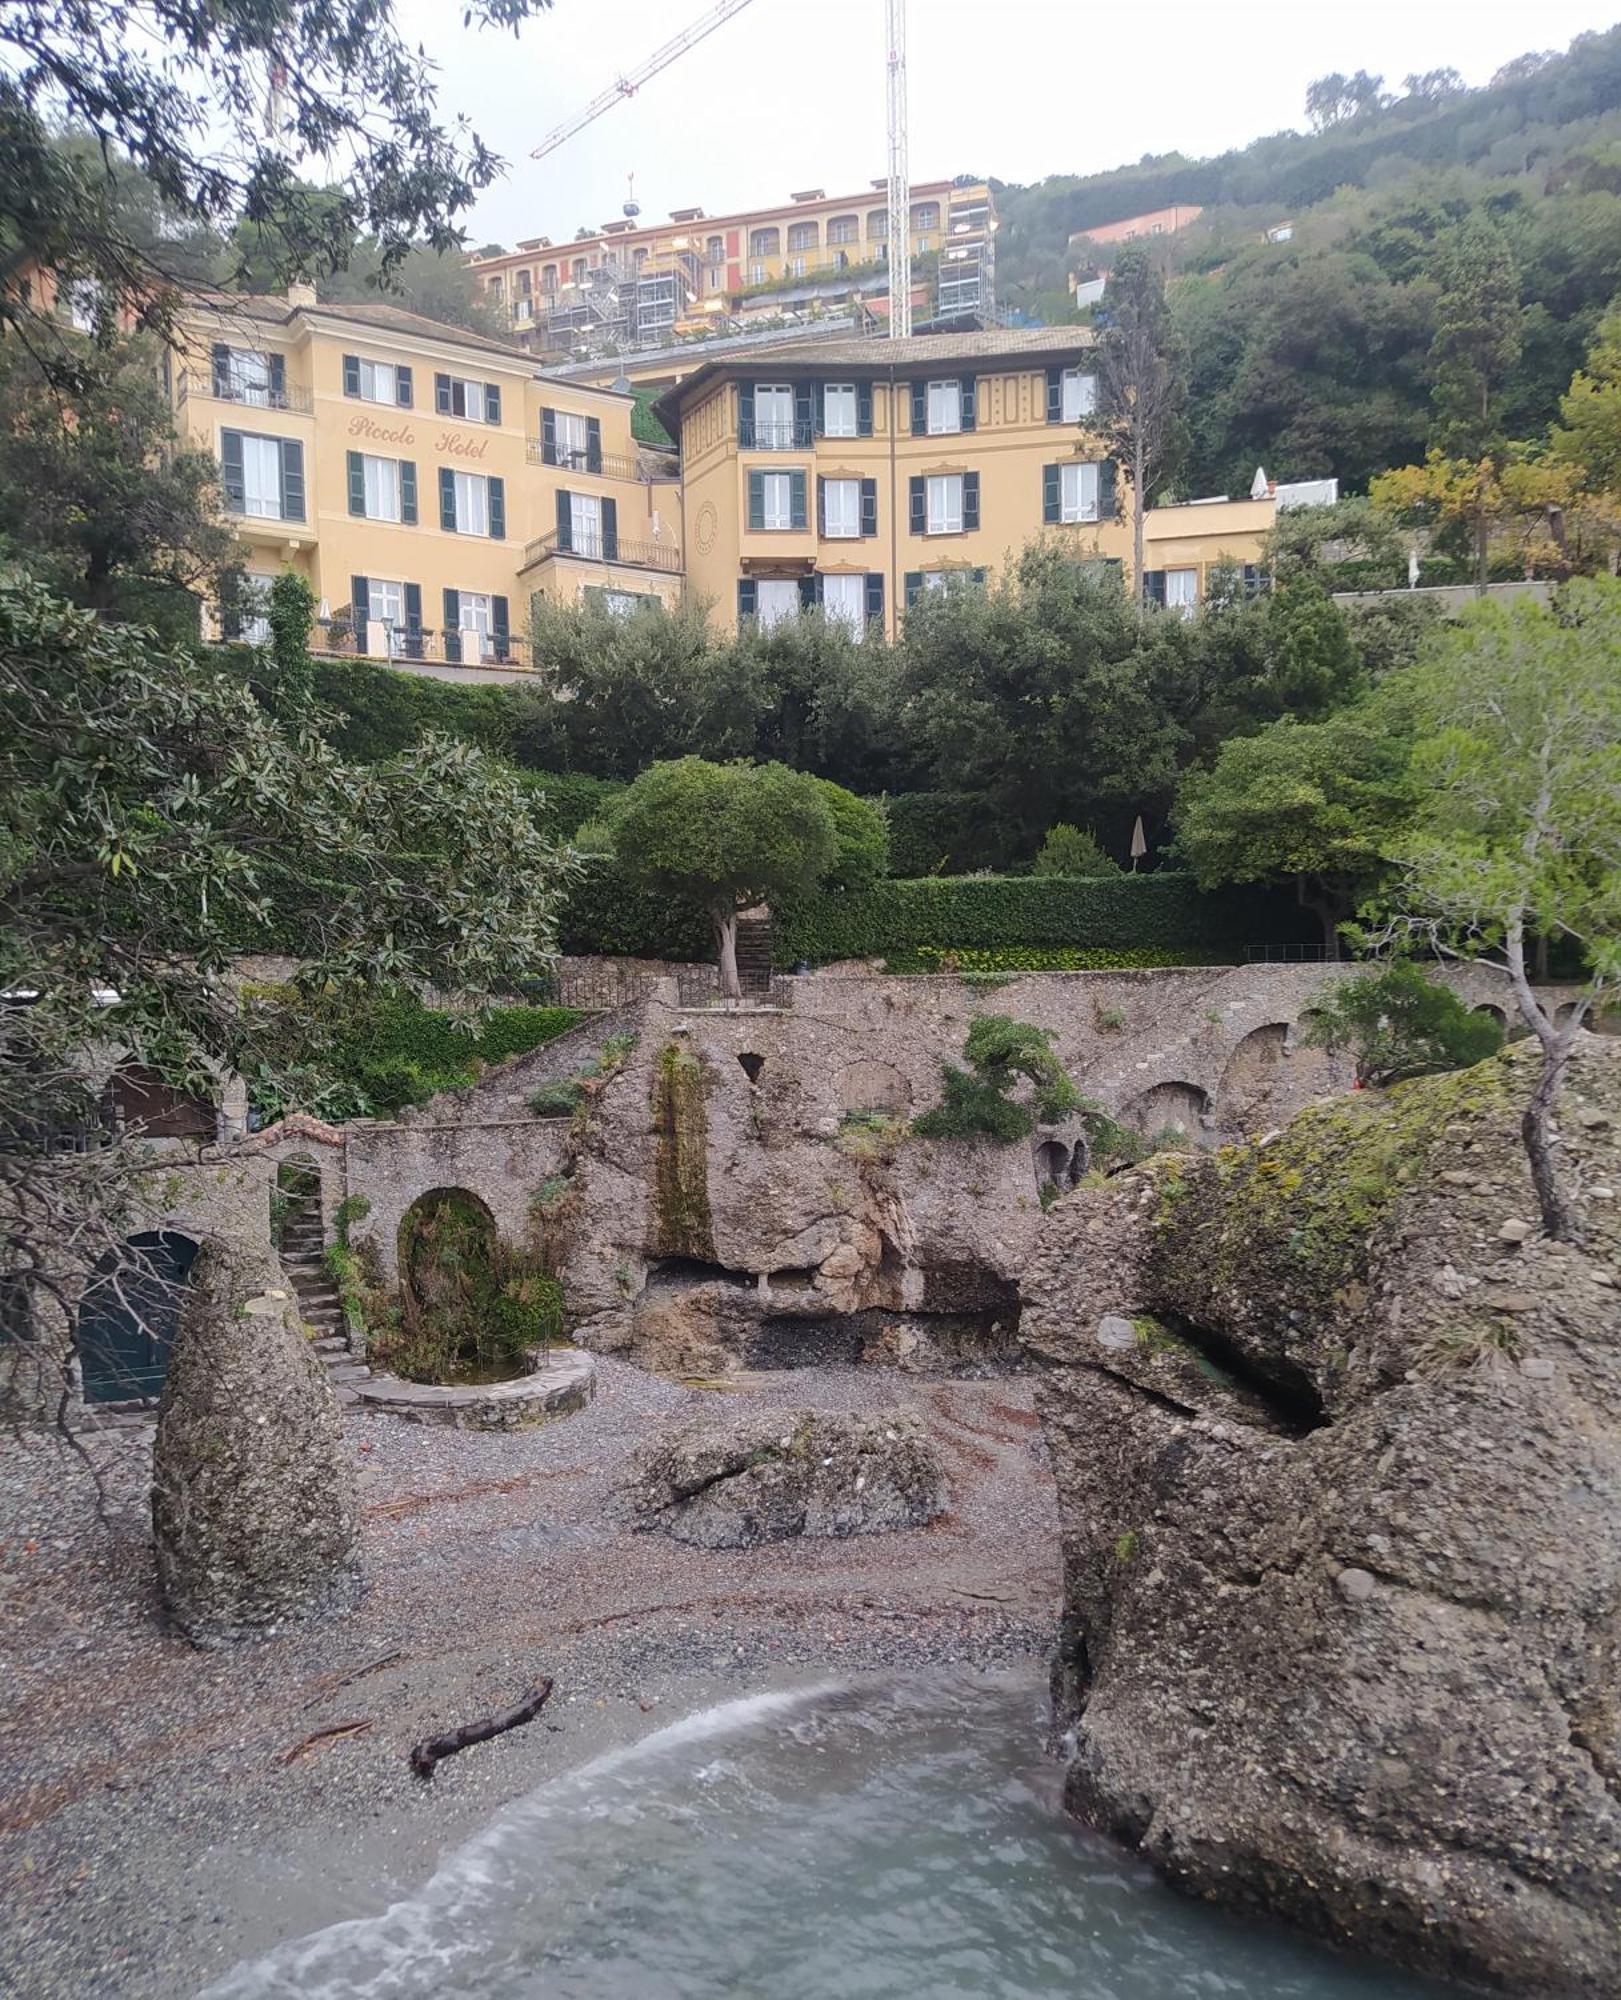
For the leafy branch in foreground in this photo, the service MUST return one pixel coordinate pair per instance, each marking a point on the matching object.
(1398, 1022)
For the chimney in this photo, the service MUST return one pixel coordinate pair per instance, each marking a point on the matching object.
(300, 293)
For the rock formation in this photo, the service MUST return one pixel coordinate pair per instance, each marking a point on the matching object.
(253, 1496)
(731, 1483)
(1337, 1437)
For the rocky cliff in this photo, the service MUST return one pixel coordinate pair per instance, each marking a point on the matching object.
(1337, 1437)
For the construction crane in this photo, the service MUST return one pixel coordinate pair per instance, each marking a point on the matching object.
(628, 84)
(899, 245)
(900, 192)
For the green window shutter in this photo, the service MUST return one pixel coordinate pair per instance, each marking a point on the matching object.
(278, 381)
(500, 628)
(413, 608)
(231, 474)
(408, 492)
(864, 409)
(360, 606)
(453, 623)
(222, 369)
(875, 597)
(745, 417)
(548, 437)
(914, 587)
(820, 412)
(920, 409)
(498, 508)
(565, 522)
(357, 483)
(821, 506)
(869, 507)
(1052, 493)
(796, 500)
(1055, 396)
(970, 401)
(1108, 491)
(1154, 585)
(610, 531)
(351, 374)
(441, 396)
(970, 502)
(292, 480)
(810, 592)
(804, 413)
(447, 499)
(920, 506)
(756, 501)
(402, 386)
(492, 403)
(977, 578)
(746, 596)
(593, 444)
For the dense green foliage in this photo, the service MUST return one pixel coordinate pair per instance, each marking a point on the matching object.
(391, 1053)
(978, 1102)
(1073, 850)
(1162, 912)
(860, 839)
(993, 961)
(1398, 1022)
(471, 1309)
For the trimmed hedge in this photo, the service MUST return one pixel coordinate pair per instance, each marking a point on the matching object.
(944, 833)
(1163, 911)
(1040, 958)
(401, 1053)
(565, 800)
(604, 916)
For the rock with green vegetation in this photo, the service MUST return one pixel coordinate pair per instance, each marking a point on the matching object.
(1337, 1438)
(732, 1483)
(254, 1511)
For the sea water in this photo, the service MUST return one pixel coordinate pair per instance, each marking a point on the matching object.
(900, 1840)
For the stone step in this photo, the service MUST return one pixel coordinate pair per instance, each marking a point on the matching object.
(347, 1371)
(330, 1343)
(317, 1295)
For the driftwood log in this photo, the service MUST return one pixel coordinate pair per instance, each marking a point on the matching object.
(432, 1749)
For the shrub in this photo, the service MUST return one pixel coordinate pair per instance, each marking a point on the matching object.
(564, 801)
(1164, 911)
(399, 1052)
(861, 837)
(560, 1099)
(1073, 850)
(978, 1102)
(1399, 1023)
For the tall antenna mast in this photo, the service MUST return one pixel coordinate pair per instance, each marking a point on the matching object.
(900, 193)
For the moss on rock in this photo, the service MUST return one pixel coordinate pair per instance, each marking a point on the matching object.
(681, 1177)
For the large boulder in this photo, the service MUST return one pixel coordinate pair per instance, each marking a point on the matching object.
(1337, 1437)
(253, 1496)
(733, 1482)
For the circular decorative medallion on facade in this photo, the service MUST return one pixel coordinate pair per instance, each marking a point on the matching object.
(706, 528)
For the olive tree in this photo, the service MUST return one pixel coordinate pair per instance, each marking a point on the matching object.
(727, 836)
(1517, 824)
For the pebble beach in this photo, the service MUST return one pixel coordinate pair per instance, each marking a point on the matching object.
(167, 1812)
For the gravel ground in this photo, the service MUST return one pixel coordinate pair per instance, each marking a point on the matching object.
(163, 1812)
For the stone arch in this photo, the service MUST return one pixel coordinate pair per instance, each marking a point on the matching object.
(296, 1224)
(1052, 1163)
(129, 1314)
(1251, 1076)
(447, 1246)
(1498, 1014)
(873, 1086)
(1171, 1106)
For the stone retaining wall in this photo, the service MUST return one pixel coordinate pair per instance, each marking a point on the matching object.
(564, 1382)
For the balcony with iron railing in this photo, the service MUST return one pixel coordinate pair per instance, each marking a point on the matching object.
(586, 547)
(569, 458)
(407, 646)
(288, 396)
(772, 434)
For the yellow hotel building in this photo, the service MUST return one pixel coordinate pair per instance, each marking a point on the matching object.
(427, 481)
(855, 475)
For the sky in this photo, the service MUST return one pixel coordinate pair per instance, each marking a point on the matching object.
(790, 93)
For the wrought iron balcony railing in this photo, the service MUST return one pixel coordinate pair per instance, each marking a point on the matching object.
(768, 434)
(599, 464)
(603, 548)
(252, 395)
(449, 647)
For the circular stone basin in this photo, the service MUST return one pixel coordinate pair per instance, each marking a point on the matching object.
(565, 1381)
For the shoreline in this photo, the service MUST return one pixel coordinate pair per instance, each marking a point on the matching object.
(168, 1813)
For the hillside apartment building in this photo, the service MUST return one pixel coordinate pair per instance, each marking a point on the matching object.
(629, 287)
(430, 483)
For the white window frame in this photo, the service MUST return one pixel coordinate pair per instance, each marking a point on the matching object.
(585, 525)
(474, 401)
(774, 433)
(848, 407)
(944, 406)
(757, 272)
(247, 376)
(623, 603)
(1080, 395)
(1185, 582)
(379, 381)
(776, 501)
(385, 603)
(472, 491)
(844, 602)
(255, 621)
(943, 512)
(261, 457)
(473, 612)
(776, 598)
(381, 480)
(847, 526)
(573, 435)
(1078, 492)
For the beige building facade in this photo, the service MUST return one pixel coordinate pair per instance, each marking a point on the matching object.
(1183, 547)
(855, 477)
(426, 481)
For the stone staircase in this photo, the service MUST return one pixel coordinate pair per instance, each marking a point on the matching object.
(303, 1258)
(754, 953)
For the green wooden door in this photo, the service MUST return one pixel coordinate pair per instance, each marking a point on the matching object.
(129, 1314)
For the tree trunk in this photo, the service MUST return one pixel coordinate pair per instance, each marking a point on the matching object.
(1139, 475)
(1559, 1218)
(1482, 541)
(731, 986)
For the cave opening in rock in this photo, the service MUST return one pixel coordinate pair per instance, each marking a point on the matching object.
(677, 1273)
(1288, 1392)
(751, 1066)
